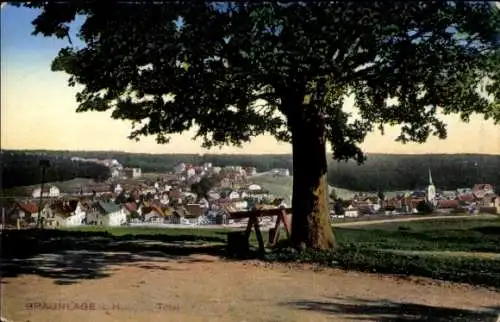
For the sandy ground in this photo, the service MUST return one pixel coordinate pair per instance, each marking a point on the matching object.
(206, 288)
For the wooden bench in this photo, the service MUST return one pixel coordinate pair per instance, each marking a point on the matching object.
(283, 217)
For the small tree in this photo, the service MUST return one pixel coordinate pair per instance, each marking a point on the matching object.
(202, 187)
(425, 207)
(339, 207)
(333, 195)
(233, 71)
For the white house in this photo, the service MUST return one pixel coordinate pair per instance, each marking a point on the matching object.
(251, 171)
(136, 173)
(115, 173)
(254, 187)
(240, 205)
(234, 195)
(351, 212)
(50, 192)
(497, 204)
(190, 172)
(107, 214)
(284, 172)
(118, 189)
(66, 213)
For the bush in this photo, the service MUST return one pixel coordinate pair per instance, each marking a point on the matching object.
(425, 207)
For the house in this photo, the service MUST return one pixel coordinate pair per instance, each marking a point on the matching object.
(152, 213)
(190, 172)
(136, 173)
(118, 189)
(233, 195)
(48, 192)
(351, 211)
(26, 211)
(115, 173)
(251, 171)
(482, 189)
(225, 183)
(254, 187)
(466, 198)
(497, 204)
(195, 210)
(215, 170)
(66, 213)
(448, 204)
(107, 214)
(132, 173)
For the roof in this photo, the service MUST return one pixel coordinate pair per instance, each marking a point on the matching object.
(64, 206)
(195, 210)
(108, 207)
(448, 203)
(29, 207)
(131, 206)
(481, 186)
(466, 197)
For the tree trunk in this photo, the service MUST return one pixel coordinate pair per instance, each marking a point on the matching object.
(311, 228)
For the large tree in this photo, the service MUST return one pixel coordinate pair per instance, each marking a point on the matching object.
(232, 71)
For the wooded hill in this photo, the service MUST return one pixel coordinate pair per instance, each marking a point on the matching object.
(379, 172)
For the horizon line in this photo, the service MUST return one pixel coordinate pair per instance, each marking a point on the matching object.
(235, 154)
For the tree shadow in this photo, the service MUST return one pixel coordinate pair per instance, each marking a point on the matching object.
(389, 311)
(71, 256)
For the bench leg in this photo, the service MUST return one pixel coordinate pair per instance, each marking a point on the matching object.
(262, 248)
(248, 230)
(276, 231)
(287, 224)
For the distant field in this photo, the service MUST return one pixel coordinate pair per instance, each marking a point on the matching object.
(65, 186)
(282, 186)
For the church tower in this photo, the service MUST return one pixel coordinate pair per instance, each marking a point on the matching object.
(431, 190)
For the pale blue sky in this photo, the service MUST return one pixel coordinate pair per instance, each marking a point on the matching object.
(38, 109)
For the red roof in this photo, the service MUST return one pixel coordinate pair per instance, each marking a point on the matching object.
(466, 198)
(29, 207)
(448, 203)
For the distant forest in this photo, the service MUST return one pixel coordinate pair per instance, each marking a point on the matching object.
(384, 172)
(21, 168)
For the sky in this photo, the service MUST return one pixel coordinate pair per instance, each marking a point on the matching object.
(38, 110)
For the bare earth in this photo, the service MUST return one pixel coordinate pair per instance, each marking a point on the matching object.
(206, 288)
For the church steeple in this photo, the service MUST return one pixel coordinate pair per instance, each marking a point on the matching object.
(430, 178)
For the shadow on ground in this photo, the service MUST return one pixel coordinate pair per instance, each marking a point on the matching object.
(71, 256)
(388, 311)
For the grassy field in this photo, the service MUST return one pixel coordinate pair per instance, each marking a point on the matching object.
(462, 250)
(282, 186)
(64, 186)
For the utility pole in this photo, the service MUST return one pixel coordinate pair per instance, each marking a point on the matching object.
(44, 164)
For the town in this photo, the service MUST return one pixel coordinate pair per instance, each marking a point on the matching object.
(206, 195)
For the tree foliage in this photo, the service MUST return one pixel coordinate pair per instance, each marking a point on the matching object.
(204, 186)
(233, 71)
(425, 207)
(428, 56)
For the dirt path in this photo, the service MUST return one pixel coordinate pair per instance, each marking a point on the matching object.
(205, 288)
